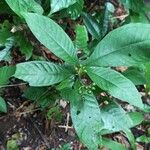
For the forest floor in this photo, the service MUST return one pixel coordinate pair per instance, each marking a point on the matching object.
(28, 126)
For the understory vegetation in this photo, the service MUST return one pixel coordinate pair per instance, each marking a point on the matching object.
(90, 58)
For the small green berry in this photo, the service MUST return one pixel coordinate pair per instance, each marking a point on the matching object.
(80, 91)
(76, 68)
(93, 88)
(81, 65)
(106, 102)
(89, 91)
(85, 71)
(93, 84)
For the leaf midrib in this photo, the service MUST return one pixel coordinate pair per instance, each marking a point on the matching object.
(67, 52)
(53, 74)
(122, 48)
(110, 82)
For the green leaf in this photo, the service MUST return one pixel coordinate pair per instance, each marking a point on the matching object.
(57, 5)
(5, 52)
(112, 144)
(5, 73)
(136, 117)
(40, 73)
(146, 108)
(136, 75)
(71, 93)
(109, 10)
(41, 95)
(138, 17)
(66, 147)
(4, 9)
(115, 118)
(147, 75)
(116, 84)
(75, 10)
(92, 25)
(131, 119)
(3, 107)
(123, 47)
(12, 144)
(87, 121)
(143, 139)
(131, 138)
(24, 45)
(52, 36)
(81, 38)
(135, 5)
(19, 6)
(5, 32)
(68, 83)
(54, 113)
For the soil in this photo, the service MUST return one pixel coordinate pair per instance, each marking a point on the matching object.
(33, 131)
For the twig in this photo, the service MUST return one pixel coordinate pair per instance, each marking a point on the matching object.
(121, 17)
(20, 107)
(25, 112)
(92, 6)
(68, 127)
(67, 123)
(44, 139)
(13, 85)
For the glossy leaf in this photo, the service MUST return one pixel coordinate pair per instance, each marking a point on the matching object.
(3, 107)
(135, 5)
(52, 36)
(115, 118)
(5, 52)
(136, 75)
(92, 25)
(123, 47)
(109, 10)
(81, 39)
(146, 108)
(57, 5)
(5, 73)
(19, 6)
(75, 10)
(113, 145)
(115, 84)
(136, 117)
(87, 121)
(40, 73)
(131, 138)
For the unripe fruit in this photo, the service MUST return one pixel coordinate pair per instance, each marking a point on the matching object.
(93, 88)
(89, 91)
(93, 84)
